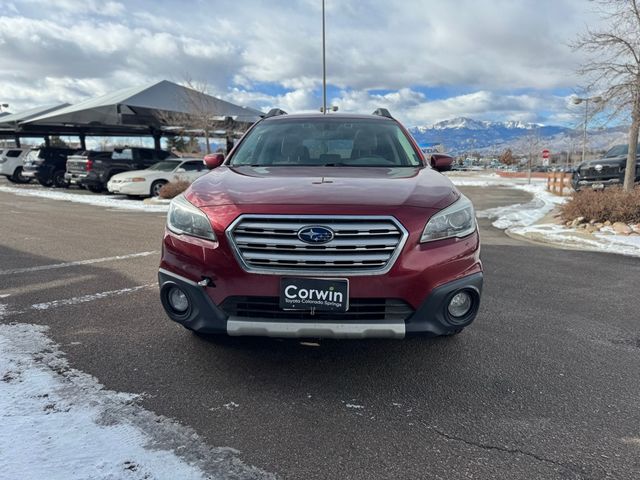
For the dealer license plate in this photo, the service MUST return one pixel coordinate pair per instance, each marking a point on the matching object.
(319, 294)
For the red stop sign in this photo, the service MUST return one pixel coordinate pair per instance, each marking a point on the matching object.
(545, 153)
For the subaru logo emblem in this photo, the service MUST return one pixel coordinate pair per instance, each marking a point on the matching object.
(598, 167)
(315, 234)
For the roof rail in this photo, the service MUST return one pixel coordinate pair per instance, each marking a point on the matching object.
(382, 112)
(274, 112)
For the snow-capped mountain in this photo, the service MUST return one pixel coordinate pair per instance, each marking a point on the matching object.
(471, 124)
(464, 135)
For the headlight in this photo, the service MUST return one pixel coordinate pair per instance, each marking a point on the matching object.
(457, 220)
(184, 218)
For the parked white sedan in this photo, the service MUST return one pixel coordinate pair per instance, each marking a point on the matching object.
(148, 182)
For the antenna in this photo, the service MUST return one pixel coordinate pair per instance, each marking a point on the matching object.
(324, 67)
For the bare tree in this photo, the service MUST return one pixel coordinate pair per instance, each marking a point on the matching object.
(614, 67)
(507, 157)
(198, 117)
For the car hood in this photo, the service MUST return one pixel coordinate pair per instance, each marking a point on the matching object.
(418, 187)
(137, 173)
(605, 162)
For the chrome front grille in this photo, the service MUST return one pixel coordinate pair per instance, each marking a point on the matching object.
(362, 245)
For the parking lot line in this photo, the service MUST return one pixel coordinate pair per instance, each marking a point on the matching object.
(90, 297)
(39, 268)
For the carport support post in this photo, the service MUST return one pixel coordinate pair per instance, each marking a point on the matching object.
(47, 141)
(156, 142)
(83, 143)
(17, 141)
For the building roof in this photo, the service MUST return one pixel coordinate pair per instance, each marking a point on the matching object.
(140, 105)
(14, 118)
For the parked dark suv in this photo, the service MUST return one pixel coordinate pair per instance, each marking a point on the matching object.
(606, 171)
(47, 165)
(94, 169)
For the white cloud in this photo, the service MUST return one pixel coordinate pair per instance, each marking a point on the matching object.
(57, 51)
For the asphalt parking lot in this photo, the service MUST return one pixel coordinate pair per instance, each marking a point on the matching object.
(544, 385)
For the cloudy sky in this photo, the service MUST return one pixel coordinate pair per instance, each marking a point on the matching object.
(425, 60)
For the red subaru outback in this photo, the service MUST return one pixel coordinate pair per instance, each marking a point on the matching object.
(322, 226)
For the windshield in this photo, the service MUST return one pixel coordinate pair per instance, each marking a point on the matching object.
(617, 151)
(164, 166)
(334, 141)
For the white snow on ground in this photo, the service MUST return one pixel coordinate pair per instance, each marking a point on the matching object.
(59, 423)
(521, 219)
(570, 237)
(109, 201)
(524, 214)
(466, 179)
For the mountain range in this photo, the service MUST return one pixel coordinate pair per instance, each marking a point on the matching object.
(466, 135)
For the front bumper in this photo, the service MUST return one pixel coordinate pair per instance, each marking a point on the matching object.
(431, 317)
(128, 188)
(595, 184)
(422, 277)
(74, 178)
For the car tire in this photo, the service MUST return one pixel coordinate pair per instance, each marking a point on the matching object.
(17, 176)
(58, 180)
(95, 188)
(155, 187)
(45, 183)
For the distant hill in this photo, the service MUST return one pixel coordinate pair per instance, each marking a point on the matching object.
(465, 135)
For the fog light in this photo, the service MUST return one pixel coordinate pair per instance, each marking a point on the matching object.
(178, 300)
(460, 304)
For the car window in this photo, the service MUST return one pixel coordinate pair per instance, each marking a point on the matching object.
(145, 154)
(13, 153)
(122, 154)
(617, 151)
(195, 166)
(164, 166)
(33, 155)
(327, 142)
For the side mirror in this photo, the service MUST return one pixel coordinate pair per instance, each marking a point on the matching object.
(441, 162)
(213, 160)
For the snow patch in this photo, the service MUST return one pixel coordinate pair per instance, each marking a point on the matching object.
(571, 238)
(108, 201)
(60, 423)
(523, 214)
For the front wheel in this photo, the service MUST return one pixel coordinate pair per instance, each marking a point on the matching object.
(156, 187)
(59, 180)
(17, 176)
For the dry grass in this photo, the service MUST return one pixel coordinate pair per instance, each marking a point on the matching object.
(173, 189)
(611, 204)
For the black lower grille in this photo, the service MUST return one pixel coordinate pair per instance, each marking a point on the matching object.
(359, 309)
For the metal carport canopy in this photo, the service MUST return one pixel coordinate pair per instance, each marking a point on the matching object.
(10, 122)
(135, 111)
